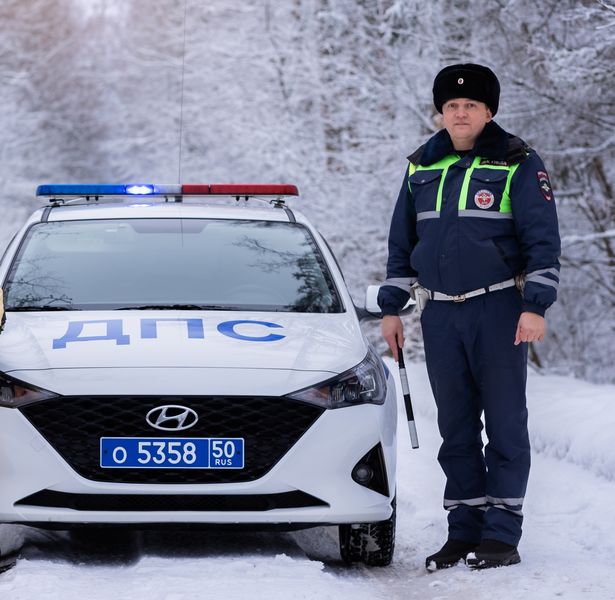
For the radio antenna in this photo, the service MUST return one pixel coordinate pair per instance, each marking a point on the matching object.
(181, 103)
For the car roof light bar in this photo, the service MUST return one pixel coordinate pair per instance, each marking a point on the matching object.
(58, 192)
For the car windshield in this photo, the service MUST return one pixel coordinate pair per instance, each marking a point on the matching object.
(170, 263)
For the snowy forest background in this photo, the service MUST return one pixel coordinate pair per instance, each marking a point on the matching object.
(329, 94)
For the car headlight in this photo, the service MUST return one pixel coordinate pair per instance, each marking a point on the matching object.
(14, 393)
(363, 384)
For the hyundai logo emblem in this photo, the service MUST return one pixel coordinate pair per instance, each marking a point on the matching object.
(171, 417)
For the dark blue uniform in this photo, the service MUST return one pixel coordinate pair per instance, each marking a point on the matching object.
(461, 224)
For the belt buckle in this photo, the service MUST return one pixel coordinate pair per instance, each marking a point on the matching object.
(459, 298)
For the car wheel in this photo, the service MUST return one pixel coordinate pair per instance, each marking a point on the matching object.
(370, 543)
(7, 561)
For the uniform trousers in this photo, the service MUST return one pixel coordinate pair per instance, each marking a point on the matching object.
(475, 371)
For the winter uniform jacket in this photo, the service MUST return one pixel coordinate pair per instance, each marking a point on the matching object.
(464, 223)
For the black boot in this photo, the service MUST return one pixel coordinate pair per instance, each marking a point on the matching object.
(493, 553)
(449, 555)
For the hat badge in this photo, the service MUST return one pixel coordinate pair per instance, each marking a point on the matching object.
(460, 81)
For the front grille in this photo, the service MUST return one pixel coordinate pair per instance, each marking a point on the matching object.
(166, 502)
(74, 426)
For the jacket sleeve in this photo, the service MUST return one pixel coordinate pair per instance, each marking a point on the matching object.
(395, 291)
(533, 207)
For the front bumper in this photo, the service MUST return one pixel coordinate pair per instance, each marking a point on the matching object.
(318, 465)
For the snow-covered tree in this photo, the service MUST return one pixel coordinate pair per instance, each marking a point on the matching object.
(329, 94)
(557, 66)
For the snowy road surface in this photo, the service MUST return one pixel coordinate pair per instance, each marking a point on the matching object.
(567, 550)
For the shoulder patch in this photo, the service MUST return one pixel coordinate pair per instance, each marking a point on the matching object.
(545, 185)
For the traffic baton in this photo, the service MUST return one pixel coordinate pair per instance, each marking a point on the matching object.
(414, 438)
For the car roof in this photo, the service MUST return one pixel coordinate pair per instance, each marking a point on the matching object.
(146, 209)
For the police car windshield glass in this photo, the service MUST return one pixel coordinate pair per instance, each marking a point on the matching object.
(170, 263)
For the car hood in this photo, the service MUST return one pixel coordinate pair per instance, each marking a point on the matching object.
(328, 343)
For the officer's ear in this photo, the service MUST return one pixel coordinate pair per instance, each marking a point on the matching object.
(489, 115)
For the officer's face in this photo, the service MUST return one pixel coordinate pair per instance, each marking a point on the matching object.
(464, 120)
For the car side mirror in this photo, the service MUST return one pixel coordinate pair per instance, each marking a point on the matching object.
(371, 310)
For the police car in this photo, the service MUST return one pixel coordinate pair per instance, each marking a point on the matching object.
(189, 354)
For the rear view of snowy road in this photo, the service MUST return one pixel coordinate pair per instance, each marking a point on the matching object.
(566, 551)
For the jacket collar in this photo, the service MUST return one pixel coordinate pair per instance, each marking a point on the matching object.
(492, 143)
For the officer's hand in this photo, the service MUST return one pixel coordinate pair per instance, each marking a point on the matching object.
(531, 328)
(393, 333)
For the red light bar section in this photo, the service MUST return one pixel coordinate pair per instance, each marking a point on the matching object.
(241, 189)
(199, 189)
(254, 189)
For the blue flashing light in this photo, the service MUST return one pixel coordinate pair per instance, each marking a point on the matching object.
(96, 190)
(140, 190)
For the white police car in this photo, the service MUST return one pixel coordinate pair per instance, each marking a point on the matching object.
(170, 358)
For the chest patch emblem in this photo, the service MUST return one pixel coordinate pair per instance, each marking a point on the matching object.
(484, 199)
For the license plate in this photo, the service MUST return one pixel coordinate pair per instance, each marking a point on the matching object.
(171, 453)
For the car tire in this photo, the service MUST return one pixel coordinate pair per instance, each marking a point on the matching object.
(370, 543)
(8, 561)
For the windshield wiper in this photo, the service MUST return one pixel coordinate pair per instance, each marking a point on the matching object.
(38, 308)
(179, 307)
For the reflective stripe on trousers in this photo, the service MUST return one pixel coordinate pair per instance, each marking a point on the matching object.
(514, 505)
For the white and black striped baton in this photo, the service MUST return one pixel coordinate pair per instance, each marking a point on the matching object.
(414, 438)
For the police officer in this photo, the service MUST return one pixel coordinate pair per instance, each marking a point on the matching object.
(475, 229)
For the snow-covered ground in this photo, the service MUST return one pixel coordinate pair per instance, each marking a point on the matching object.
(567, 549)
